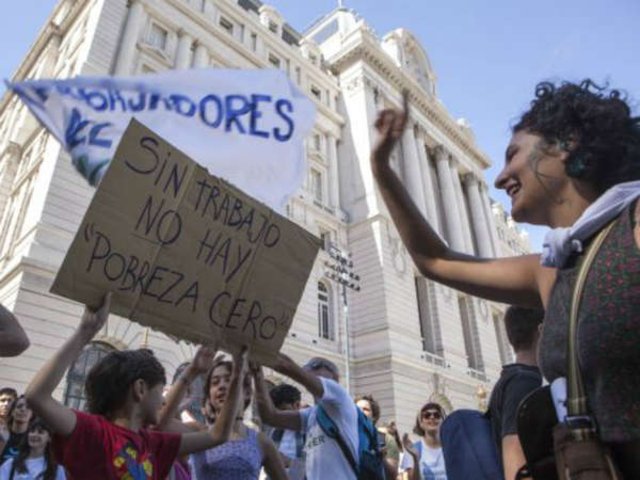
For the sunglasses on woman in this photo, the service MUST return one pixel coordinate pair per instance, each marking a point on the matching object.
(432, 414)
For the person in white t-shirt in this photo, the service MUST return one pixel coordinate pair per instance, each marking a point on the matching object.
(324, 458)
(426, 452)
(35, 459)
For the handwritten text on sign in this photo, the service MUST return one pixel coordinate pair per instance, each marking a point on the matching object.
(187, 253)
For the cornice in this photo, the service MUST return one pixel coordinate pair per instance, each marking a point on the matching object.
(362, 46)
(49, 31)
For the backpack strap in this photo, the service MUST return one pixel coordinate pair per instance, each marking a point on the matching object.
(418, 447)
(331, 430)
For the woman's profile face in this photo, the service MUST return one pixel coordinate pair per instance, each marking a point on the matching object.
(533, 177)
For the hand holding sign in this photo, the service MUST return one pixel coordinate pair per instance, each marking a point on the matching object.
(187, 253)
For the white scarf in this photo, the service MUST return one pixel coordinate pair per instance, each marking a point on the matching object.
(559, 243)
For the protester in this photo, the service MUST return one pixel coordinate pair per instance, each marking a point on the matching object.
(323, 457)
(426, 452)
(573, 164)
(124, 392)
(247, 451)
(7, 397)
(391, 429)
(516, 381)
(34, 460)
(18, 423)
(290, 443)
(13, 340)
(387, 444)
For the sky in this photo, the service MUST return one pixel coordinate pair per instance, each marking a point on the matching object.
(487, 55)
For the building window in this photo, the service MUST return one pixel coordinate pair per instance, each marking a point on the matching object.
(273, 26)
(75, 395)
(226, 25)
(274, 61)
(470, 332)
(504, 348)
(316, 92)
(194, 393)
(325, 329)
(315, 182)
(429, 324)
(254, 42)
(298, 76)
(317, 142)
(158, 37)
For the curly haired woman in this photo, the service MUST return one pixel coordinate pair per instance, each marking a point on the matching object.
(573, 164)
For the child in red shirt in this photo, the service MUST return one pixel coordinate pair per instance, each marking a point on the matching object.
(124, 395)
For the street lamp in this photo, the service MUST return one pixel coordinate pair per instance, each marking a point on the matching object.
(340, 270)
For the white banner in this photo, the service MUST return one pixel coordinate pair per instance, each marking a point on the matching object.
(246, 126)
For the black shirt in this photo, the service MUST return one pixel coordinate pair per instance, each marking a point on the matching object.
(12, 446)
(516, 382)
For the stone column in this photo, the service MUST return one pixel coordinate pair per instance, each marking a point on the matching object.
(428, 185)
(412, 173)
(491, 221)
(464, 217)
(478, 216)
(201, 56)
(128, 44)
(451, 211)
(334, 186)
(183, 52)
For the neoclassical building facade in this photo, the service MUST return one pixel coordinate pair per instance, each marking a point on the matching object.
(393, 333)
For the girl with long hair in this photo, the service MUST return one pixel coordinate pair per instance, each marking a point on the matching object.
(247, 451)
(35, 459)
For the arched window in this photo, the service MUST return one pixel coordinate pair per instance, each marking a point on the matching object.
(75, 396)
(195, 393)
(325, 322)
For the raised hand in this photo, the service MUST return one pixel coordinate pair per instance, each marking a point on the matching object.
(201, 362)
(390, 124)
(93, 320)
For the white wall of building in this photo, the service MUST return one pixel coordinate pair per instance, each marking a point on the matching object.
(350, 75)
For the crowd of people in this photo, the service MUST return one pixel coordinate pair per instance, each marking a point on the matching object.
(573, 164)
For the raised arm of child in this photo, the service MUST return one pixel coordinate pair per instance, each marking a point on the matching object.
(200, 365)
(13, 340)
(61, 419)
(219, 433)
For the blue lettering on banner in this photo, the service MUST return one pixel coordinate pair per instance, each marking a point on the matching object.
(256, 114)
(242, 114)
(74, 134)
(242, 107)
(277, 133)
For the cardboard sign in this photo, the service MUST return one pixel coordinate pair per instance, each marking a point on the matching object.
(187, 253)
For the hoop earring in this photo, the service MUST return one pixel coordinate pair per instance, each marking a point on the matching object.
(576, 168)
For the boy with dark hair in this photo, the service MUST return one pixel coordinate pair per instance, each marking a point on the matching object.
(7, 397)
(125, 396)
(516, 381)
(285, 397)
(290, 443)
